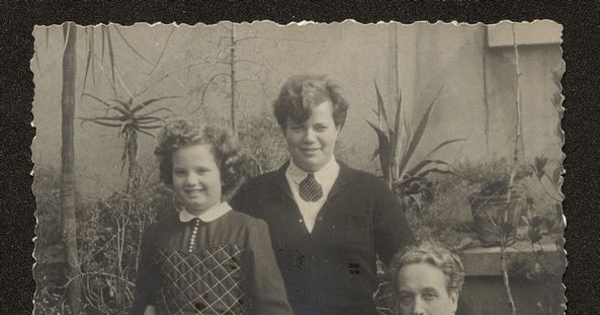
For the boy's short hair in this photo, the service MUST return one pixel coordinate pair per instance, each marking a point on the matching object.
(301, 93)
(436, 255)
(232, 163)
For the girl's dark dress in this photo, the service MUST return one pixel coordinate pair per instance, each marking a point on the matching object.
(221, 263)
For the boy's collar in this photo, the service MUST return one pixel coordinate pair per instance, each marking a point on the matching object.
(297, 174)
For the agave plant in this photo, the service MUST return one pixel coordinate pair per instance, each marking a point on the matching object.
(394, 162)
(129, 120)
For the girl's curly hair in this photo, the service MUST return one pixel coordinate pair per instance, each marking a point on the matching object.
(436, 255)
(232, 162)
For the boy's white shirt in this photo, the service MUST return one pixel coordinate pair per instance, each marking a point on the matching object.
(326, 176)
(208, 215)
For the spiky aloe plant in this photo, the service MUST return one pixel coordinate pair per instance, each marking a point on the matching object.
(129, 120)
(408, 183)
(394, 161)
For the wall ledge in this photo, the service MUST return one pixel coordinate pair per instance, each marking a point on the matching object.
(485, 261)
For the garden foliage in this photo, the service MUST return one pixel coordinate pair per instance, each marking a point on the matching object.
(109, 232)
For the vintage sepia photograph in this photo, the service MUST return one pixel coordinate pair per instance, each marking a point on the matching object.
(308, 169)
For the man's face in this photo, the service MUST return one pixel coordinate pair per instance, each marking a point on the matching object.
(422, 291)
(311, 143)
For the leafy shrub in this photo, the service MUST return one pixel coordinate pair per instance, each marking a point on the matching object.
(490, 177)
(262, 138)
(49, 271)
(108, 236)
(448, 219)
(109, 242)
(46, 188)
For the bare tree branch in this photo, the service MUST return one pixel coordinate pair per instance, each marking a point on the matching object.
(163, 51)
(131, 47)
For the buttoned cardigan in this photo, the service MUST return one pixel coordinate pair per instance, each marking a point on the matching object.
(332, 270)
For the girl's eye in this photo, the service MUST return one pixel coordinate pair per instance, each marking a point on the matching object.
(320, 128)
(179, 173)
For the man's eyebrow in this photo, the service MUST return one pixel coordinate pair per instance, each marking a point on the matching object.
(425, 289)
(429, 289)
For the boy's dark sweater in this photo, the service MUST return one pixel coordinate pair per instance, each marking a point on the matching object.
(333, 269)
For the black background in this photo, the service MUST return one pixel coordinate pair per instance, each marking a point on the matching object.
(581, 123)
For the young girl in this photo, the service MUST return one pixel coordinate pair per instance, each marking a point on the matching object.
(207, 259)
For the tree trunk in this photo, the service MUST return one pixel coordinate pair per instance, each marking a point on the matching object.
(513, 173)
(67, 193)
(505, 280)
(519, 123)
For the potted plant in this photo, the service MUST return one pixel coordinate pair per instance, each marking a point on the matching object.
(495, 203)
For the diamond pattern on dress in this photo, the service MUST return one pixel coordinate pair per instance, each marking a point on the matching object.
(310, 189)
(206, 282)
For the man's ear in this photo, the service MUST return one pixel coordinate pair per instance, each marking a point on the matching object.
(454, 297)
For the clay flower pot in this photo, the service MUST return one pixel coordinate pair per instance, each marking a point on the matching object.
(488, 217)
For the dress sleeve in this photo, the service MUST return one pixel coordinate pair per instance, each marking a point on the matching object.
(265, 285)
(146, 284)
(392, 232)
